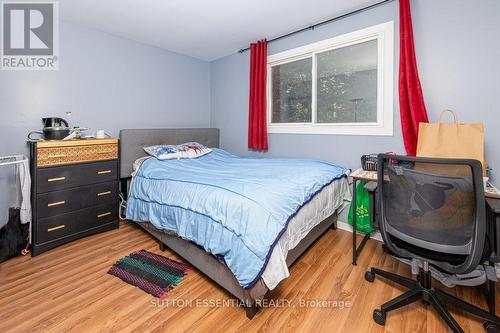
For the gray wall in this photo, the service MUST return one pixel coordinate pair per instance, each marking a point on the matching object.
(106, 82)
(458, 50)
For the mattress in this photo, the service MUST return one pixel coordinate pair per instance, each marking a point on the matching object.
(333, 197)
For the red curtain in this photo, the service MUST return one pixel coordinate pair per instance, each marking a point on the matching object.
(257, 122)
(411, 100)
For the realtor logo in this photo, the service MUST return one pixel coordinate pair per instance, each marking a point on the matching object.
(30, 35)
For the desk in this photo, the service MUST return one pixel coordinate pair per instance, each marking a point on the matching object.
(493, 232)
(493, 216)
(356, 175)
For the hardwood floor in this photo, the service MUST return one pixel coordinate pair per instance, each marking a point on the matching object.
(67, 289)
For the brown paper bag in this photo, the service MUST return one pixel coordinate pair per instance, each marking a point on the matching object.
(451, 140)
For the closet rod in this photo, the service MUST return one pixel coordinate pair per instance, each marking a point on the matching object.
(312, 27)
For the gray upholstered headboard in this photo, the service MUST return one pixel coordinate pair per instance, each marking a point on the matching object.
(132, 142)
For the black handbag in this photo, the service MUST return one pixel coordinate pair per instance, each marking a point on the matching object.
(369, 162)
(13, 236)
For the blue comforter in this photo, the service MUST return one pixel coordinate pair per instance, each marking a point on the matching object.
(234, 207)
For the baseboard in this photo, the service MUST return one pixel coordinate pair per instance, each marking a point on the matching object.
(347, 227)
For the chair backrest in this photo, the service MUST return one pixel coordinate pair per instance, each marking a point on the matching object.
(433, 209)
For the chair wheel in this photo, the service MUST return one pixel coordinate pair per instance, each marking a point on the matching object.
(379, 317)
(491, 327)
(369, 276)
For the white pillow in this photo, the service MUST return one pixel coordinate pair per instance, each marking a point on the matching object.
(185, 150)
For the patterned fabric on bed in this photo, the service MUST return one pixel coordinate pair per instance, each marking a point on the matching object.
(185, 150)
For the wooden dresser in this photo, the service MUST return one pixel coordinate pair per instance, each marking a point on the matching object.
(74, 190)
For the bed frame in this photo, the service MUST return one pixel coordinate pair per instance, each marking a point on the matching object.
(132, 142)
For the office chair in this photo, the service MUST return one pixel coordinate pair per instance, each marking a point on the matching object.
(433, 212)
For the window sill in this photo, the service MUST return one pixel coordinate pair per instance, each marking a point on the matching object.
(363, 130)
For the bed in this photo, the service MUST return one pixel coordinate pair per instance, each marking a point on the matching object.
(213, 213)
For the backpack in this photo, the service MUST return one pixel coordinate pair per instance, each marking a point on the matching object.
(13, 236)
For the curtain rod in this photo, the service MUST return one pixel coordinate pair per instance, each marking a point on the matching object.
(312, 27)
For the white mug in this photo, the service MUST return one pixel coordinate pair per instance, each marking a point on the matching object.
(100, 134)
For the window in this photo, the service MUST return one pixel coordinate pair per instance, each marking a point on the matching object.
(343, 85)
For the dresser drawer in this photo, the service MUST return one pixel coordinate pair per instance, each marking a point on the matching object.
(52, 228)
(62, 155)
(65, 201)
(97, 216)
(64, 177)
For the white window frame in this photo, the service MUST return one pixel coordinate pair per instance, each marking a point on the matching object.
(384, 34)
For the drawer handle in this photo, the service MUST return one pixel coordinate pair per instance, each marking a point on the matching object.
(103, 172)
(104, 214)
(56, 228)
(57, 156)
(103, 193)
(52, 204)
(56, 179)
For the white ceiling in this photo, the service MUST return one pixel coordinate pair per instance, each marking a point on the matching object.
(204, 29)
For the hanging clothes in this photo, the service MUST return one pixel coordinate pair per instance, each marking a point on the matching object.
(23, 182)
(23, 174)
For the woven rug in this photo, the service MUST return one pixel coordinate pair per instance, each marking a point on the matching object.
(154, 274)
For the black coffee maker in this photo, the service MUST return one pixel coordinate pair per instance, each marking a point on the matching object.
(54, 122)
(54, 128)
